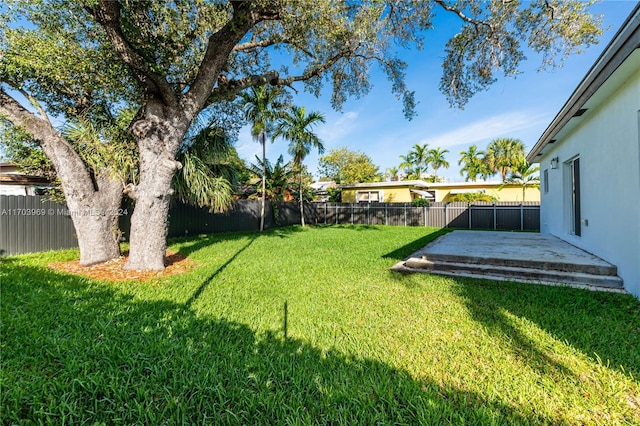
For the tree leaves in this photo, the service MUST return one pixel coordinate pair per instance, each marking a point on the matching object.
(345, 167)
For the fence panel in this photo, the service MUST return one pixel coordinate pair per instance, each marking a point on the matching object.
(185, 220)
(457, 215)
(395, 215)
(376, 216)
(482, 215)
(531, 216)
(415, 216)
(508, 217)
(436, 215)
(27, 224)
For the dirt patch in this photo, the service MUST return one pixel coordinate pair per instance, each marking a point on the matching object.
(112, 270)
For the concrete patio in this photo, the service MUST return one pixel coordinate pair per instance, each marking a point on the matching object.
(513, 256)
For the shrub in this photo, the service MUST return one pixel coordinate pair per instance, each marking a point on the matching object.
(420, 202)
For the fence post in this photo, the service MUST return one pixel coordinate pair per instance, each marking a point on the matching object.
(446, 215)
(385, 215)
(325, 213)
(521, 217)
(469, 209)
(424, 215)
(352, 214)
(336, 213)
(368, 214)
(495, 221)
(405, 215)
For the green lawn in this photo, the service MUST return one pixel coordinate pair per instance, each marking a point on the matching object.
(309, 326)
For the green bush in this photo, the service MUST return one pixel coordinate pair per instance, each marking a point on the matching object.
(335, 195)
(420, 202)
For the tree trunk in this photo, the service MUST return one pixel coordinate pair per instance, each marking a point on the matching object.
(301, 201)
(149, 227)
(264, 180)
(157, 143)
(95, 219)
(92, 201)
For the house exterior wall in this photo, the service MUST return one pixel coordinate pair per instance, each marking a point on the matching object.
(508, 193)
(402, 194)
(389, 194)
(17, 190)
(607, 141)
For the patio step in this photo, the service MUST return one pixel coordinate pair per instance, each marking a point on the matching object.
(519, 271)
(601, 268)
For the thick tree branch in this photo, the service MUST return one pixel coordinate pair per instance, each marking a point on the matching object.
(220, 45)
(68, 164)
(37, 105)
(475, 22)
(107, 14)
(227, 89)
(250, 45)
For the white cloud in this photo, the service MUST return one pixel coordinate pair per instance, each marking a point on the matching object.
(334, 131)
(501, 125)
(247, 148)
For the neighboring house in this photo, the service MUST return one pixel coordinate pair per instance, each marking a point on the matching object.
(447, 192)
(403, 191)
(12, 182)
(321, 190)
(407, 190)
(590, 159)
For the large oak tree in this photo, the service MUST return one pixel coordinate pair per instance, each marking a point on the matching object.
(173, 59)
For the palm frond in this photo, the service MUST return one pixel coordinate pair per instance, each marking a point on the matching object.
(195, 184)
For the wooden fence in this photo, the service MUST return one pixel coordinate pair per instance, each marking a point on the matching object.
(32, 224)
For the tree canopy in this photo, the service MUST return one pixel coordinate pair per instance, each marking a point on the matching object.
(345, 166)
(124, 51)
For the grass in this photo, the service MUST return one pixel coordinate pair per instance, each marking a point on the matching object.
(309, 326)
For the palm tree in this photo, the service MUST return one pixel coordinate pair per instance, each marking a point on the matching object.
(392, 173)
(503, 154)
(473, 163)
(419, 156)
(525, 175)
(296, 126)
(277, 177)
(407, 165)
(261, 108)
(437, 160)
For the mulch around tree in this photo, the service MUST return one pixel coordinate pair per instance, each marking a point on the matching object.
(112, 270)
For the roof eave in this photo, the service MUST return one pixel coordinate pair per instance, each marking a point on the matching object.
(624, 42)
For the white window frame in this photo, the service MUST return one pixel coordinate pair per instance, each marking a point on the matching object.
(378, 198)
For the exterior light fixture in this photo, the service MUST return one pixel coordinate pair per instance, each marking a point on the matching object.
(554, 163)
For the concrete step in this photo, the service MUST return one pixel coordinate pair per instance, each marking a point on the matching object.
(500, 271)
(544, 265)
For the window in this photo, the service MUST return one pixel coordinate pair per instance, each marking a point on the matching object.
(368, 196)
(545, 180)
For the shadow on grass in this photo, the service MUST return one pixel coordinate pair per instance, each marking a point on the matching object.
(77, 351)
(603, 326)
(406, 250)
(210, 278)
(192, 244)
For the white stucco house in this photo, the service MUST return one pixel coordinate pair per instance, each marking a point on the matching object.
(589, 159)
(12, 182)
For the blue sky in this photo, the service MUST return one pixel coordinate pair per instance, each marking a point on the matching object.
(518, 108)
